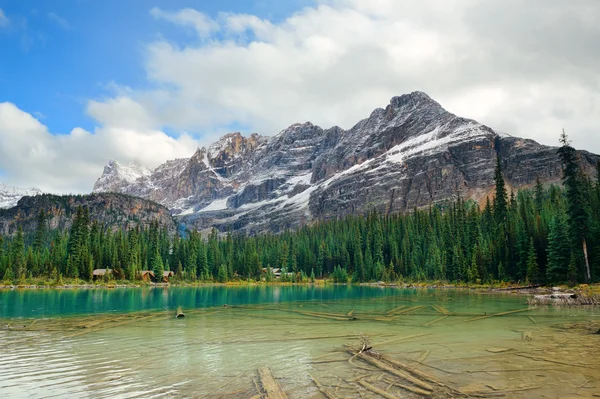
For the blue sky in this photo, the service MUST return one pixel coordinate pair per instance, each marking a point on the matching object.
(57, 55)
(86, 81)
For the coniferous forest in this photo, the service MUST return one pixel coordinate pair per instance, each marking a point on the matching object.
(539, 235)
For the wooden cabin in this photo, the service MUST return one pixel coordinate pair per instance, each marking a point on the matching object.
(167, 274)
(275, 270)
(98, 274)
(148, 275)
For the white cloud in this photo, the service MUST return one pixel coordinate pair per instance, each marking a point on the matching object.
(526, 68)
(188, 17)
(4, 21)
(72, 162)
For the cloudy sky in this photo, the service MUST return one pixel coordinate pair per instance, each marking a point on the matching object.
(82, 82)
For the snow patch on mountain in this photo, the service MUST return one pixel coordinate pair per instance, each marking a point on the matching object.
(10, 196)
(115, 175)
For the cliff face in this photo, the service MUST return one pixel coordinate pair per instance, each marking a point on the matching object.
(116, 211)
(411, 154)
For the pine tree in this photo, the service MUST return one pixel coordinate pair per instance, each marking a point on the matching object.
(558, 250)
(222, 275)
(321, 259)
(158, 267)
(572, 180)
(18, 253)
(533, 270)
(500, 200)
(473, 271)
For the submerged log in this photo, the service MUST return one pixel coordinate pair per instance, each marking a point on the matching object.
(391, 369)
(495, 315)
(271, 388)
(432, 322)
(376, 390)
(322, 389)
(391, 312)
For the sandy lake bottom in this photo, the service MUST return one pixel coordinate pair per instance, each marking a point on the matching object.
(425, 343)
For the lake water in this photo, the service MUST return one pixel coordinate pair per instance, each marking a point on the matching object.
(127, 343)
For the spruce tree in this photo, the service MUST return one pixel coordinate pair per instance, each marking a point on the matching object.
(500, 200)
(18, 253)
(572, 180)
(533, 270)
(158, 267)
(559, 250)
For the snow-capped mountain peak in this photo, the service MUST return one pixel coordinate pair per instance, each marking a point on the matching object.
(117, 175)
(10, 196)
(411, 153)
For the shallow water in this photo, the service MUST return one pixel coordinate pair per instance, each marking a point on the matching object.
(126, 343)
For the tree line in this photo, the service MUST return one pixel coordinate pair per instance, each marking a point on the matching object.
(540, 235)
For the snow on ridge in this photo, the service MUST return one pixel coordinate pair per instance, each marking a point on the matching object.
(10, 196)
(431, 143)
(216, 205)
(218, 146)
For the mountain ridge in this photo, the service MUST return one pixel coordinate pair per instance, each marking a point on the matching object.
(10, 196)
(411, 153)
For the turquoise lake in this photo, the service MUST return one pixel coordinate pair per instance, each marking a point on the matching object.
(127, 343)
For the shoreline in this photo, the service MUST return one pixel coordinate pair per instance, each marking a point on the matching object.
(585, 290)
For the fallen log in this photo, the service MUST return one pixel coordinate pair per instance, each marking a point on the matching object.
(271, 388)
(376, 390)
(322, 389)
(495, 315)
(391, 341)
(418, 391)
(432, 322)
(392, 370)
(391, 312)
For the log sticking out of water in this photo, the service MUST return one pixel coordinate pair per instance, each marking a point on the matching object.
(271, 388)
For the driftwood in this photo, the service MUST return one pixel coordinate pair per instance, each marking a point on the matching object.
(545, 359)
(391, 341)
(366, 356)
(376, 390)
(322, 389)
(496, 315)
(270, 387)
(391, 312)
(409, 310)
(432, 322)
(441, 310)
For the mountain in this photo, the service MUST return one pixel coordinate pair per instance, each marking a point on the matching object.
(9, 196)
(116, 211)
(411, 154)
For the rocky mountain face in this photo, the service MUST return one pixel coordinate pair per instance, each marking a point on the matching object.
(9, 196)
(411, 154)
(116, 211)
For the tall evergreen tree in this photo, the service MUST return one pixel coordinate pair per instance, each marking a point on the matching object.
(578, 218)
(559, 250)
(500, 200)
